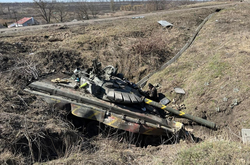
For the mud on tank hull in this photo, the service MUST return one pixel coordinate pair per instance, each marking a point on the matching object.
(115, 115)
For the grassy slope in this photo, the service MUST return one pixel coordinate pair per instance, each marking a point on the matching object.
(213, 71)
(214, 68)
(128, 43)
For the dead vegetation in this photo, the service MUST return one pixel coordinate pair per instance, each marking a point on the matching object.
(214, 72)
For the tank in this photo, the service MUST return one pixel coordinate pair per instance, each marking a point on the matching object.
(102, 95)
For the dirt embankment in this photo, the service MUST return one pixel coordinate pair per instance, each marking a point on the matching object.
(214, 72)
(32, 130)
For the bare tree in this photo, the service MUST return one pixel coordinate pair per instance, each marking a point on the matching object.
(1, 14)
(158, 4)
(15, 15)
(94, 8)
(9, 11)
(82, 10)
(61, 11)
(46, 8)
(1, 10)
(13, 12)
(154, 5)
(112, 5)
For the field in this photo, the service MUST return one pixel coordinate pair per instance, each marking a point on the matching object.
(213, 71)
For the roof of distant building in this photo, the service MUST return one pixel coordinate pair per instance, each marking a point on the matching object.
(23, 20)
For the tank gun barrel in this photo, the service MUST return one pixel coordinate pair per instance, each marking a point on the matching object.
(51, 91)
(181, 113)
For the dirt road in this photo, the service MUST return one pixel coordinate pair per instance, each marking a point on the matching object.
(86, 22)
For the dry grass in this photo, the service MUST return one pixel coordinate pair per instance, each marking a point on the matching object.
(140, 42)
(3, 21)
(10, 158)
(219, 149)
(110, 151)
(214, 152)
(214, 70)
(205, 4)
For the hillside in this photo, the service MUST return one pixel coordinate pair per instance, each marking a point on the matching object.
(213, 71)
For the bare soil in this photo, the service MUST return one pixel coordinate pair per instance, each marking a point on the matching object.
(33, 131)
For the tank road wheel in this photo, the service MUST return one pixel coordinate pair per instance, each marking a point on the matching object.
(92, 129)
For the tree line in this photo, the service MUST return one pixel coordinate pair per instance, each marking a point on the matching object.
(84, 9)
(53, 11)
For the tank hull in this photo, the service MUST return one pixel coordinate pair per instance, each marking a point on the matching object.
(118, 116)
